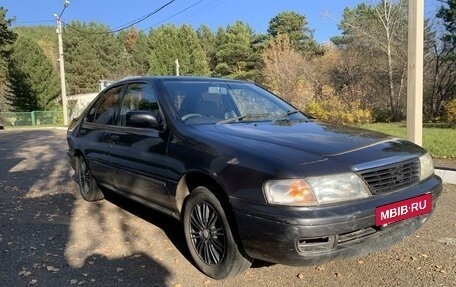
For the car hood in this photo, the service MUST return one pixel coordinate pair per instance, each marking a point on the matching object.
(316, 138)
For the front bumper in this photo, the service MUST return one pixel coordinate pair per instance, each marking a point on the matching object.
(308, 236)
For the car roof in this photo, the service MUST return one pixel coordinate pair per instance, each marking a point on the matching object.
(177, 78)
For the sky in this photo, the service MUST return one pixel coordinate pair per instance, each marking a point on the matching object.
(322, 15)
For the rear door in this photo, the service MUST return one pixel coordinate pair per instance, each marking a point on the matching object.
(139, 154)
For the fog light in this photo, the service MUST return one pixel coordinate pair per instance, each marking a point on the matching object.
(317, 244)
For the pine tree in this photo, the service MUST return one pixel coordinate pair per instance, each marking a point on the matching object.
(7, 37)
(295, 27)
(208, 40)
(236, 55)
(33, 83)
(448, 15)
(92, 53)
(170, 43)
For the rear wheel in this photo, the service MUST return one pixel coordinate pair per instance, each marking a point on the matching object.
(87, 184)
(209, 236)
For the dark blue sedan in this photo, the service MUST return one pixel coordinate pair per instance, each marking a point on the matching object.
(250, 176)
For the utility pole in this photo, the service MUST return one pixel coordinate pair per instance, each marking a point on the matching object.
(61, 62)
(415, 72)
(177, 67)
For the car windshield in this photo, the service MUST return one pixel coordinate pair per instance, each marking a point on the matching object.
(225, 102)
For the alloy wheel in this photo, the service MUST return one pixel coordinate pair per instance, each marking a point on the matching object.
(84, 177)
(207, 233)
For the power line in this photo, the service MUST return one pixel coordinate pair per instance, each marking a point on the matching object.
(180, 12)
(139, 20)
(207, 8)
(125, 26)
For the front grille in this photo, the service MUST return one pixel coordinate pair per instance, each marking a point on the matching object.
(392, 177)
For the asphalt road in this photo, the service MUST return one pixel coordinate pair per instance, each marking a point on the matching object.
(49, 236)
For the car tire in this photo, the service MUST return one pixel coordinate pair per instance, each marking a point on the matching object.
(209, 236)
(87, 185)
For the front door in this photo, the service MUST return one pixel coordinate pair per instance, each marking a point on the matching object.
(139, 154)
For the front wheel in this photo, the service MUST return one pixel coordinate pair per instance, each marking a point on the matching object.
(87, 184)
(210, 238)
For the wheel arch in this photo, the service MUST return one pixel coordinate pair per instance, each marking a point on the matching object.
(194, 179)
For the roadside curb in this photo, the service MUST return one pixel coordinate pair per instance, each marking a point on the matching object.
(447, 175)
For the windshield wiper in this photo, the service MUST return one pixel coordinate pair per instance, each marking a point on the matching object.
(239, 118)
(284, 115)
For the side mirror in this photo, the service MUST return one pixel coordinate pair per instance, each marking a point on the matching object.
(142, 119)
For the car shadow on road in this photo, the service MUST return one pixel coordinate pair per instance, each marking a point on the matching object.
(170, 226)
(47, 235)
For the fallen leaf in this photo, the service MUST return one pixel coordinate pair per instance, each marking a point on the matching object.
(81, 282)
(24, 273)
(73, 281)
(440, 269)
(32, 282)
(85, 274)
(52, 269)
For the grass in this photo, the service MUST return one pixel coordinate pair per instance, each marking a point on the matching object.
(439, 140)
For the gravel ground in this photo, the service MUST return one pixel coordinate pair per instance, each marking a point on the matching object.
(49, 236)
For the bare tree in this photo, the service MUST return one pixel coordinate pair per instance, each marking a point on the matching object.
(285, 69)
(378, 35)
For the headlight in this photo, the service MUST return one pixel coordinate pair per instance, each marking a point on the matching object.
(317, 190)
(426, 166)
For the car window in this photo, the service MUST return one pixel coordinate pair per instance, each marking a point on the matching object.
(103, 113)
(138, 97)
(249, 101)
(210, 102)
